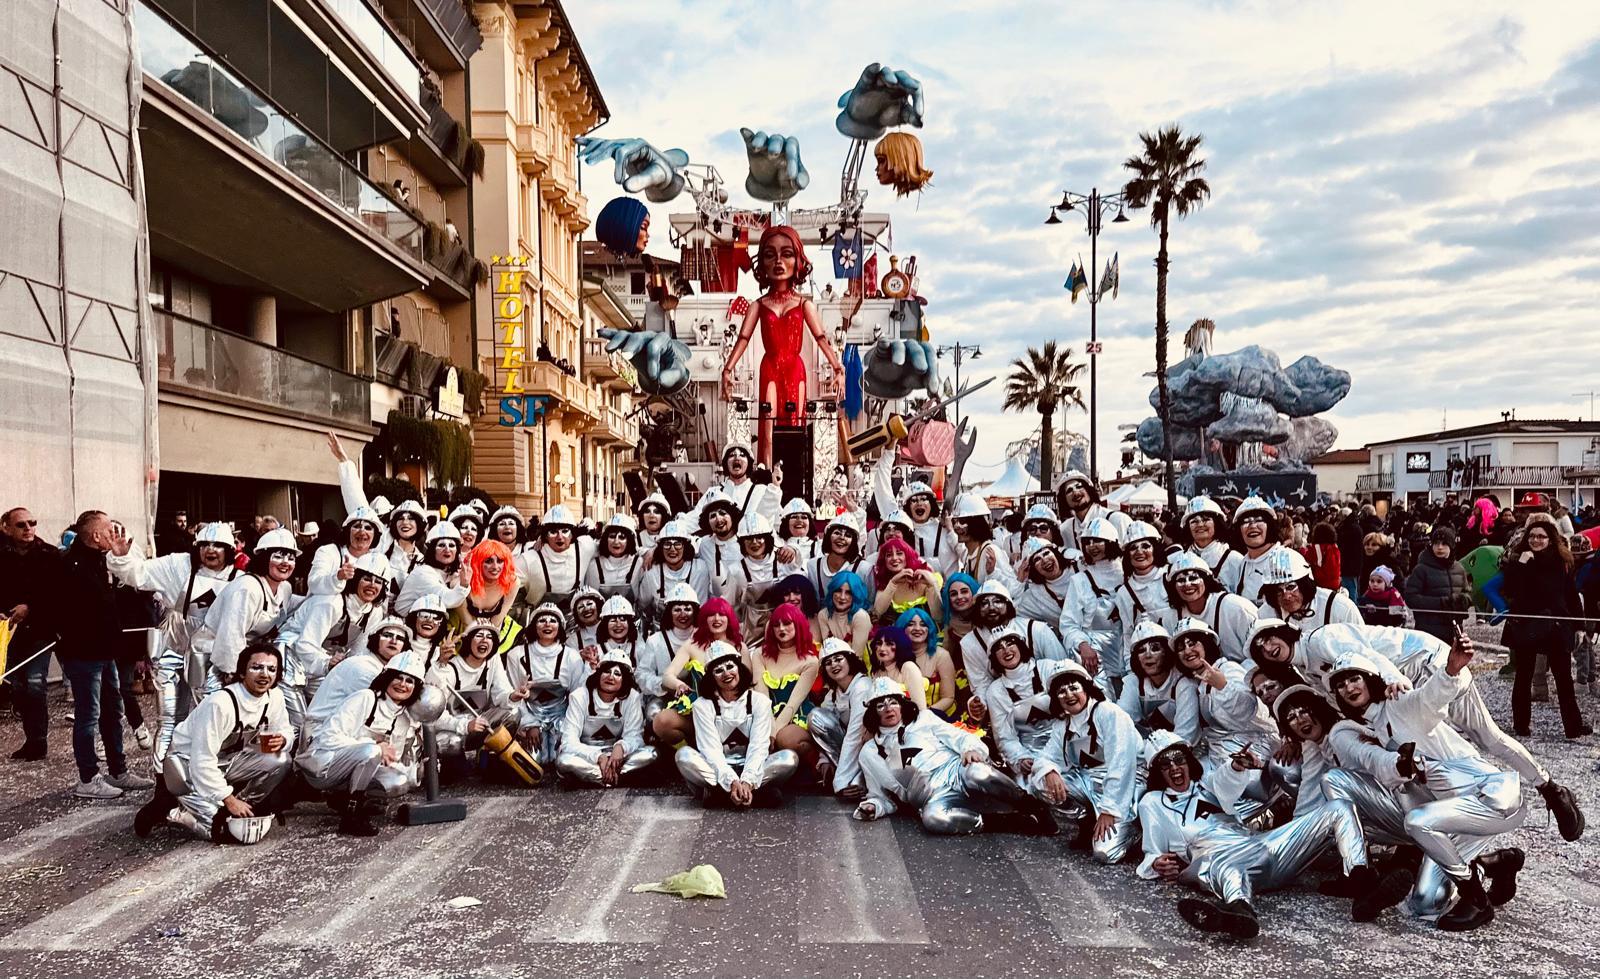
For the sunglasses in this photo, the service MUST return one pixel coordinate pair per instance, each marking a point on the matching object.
(429, 617)
(26, 523)
(392, 636)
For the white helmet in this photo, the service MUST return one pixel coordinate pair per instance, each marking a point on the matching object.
(467, 511)
(1187, 561)
(278, 539)
(969, 505)
(214, 533)
(617, 607)
(381, 506)
(444, 530)
(675, 530)
(1139, 530)
(1255, 504)
(1285, 566)
(559, 516)
(507, 511)
(1033, 545)
(897, 517)
(834, 646)
(551, 609)
(409, 663)
(1100, 528)
(755, 525)
(681, 593)
(1074, 476)
(365, 513)
(883, 687)
(720, 650)
(392, 622)
(994, 587)
(248, 830)
(1267, 624)
(847, 520)
(374, 563)
(797, 505)
(431, 602)
(408, 506)
(1145, 630)
(623, 521)
(915, 488)
(481, 625)
(1189, 624)
(480, 506)
(655, 499)
(1039, 511)
(1202, 505)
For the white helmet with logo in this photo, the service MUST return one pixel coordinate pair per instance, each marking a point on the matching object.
(755, 525)
(365, 514)
(1145, 630)
(214, 533)
(444, 530)
(969, 505)
(1285, 566)
(675, 530)
(681, 593)
(1254, 504)
(617, 607)
(1139, 530)
(1200, 506)
(1187, 561)
(248, 830)
(559, 516)
(277, 539)
(1039, 511)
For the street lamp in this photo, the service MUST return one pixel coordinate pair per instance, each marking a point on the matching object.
(1095, 207)
(959, 349)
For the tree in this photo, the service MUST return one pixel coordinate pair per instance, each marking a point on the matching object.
(1042, 381)
(1167, 180)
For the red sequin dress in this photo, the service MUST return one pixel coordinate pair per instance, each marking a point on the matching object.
(781, 364)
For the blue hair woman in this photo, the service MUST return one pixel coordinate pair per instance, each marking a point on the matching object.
(889, 654)
(845, 611)
(960, 599)
(933, 661)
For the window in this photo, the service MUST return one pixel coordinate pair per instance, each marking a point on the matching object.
(636, 283)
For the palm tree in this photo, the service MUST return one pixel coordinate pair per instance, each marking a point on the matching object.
(1167, 180)
(1043, 381)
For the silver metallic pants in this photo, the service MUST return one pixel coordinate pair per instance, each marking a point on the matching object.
(575, 766)
(1086, 788)
(1234, 863)
(359, 767)
(944, 796)
(826, 728)
(1470, 715)
(252, 774)
(779, 767)
(174, 697)
(1383, 819)
(546, 718)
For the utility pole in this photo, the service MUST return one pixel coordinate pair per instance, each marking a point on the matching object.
(958, 349)
(1095, 208)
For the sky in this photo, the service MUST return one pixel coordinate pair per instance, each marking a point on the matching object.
(1410, 192)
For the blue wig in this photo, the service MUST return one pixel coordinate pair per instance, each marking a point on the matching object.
(617, 227)
(919, 612)
(903, 653)
(859, 594)
(944, 595)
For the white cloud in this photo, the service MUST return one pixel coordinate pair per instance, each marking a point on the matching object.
(1408, 191)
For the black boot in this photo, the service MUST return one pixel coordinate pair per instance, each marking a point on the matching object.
(356, 820)
(30, 751)
(1472, 908)
(1236, 918)
(154, 812)
(1501, 868)
(1564, 806)
(1373, 894)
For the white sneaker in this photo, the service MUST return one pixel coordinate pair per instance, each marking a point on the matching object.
(144, 738)
(131, 781)
(98, 787)
(186, 820)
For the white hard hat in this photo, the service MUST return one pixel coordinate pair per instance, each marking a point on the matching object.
(1187, 561)
(467, 511)
(277, 540)
(1266, 624)
(755, 525)
(1201, 505)
(381, 505)
(1074, 476)
(549, 609)
(675, 530)
(720, 650)
(969, 505)
(507, 511)
(218, 533)
(408, 506)
(1255, 504)
(1190, 623)
(1145, 630)
(393, 622)
(410, 663)
(897, 517)
(994, 587)
(1100, 528)
(623, 521)
(1285, 566)
(1139, 530)
(1039, 511)
(797, 505)
(617, 606)
(1033, 545)
(680, 592)
(915, 488)
(480, 625)
(249, 830)
(559, 516)
(310, 529)
(374, 563)
(444, 530)
(833, 646)
(883, 687)
(431, 602)
(847, 520)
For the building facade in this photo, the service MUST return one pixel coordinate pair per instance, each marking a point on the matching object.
(1557, 457)
(300, 193)
(533, 95)
(1338, 470)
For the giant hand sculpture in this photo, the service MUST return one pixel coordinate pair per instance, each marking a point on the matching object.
(776, 173)
(661, 361)
(641, 168)
(896, 368)
(882, 99)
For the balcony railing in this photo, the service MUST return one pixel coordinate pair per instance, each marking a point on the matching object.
(1503, 477)
(387, 49)
(1370, 482)
(205, 359)
(171, 57)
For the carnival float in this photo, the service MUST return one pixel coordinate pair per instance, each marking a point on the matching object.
(740, 345)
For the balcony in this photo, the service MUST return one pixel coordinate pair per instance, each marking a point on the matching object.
(608, 369)
(440, 149)
(533, 150)
(1504, 477)
(199, 358)
(568, 394)
(1374, 482)
(371, 51)
(453, 267)
(613, 427)
(443, 30)
(231, 179)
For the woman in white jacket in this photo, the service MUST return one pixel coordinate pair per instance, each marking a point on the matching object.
(543, 671)
(1154, 693)
(1193, 591)
(554, 570)
(1092, 756)
(618, 565)
(836, 724)
(731, 758)
(252, 606)
(334, 564)
(602, 734)
(186, 585)
(439, 573)
(366, 753)
(1144, 589)
(1089, 617)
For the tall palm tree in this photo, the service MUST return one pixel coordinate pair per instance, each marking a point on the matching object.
(1167, 180)
(1042, 381)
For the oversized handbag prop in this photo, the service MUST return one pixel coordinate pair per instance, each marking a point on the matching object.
(898, 427)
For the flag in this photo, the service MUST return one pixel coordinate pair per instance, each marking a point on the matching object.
(847, 254)
(738, 308)
(1072, 279)
(1077, 279)
(869, 277)
(1116, 275)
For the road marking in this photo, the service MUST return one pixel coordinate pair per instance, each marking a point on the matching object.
(54, 833)
(859, 867)
(124, 907)
(1078, 913)
(406, 880)
(648, 839)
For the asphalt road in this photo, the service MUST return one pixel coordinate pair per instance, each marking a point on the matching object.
(809, 893)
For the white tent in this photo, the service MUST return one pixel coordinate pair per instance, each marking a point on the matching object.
(1014, 482)
(1146, 493)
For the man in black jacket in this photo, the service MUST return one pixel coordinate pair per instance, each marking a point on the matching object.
(30, 574)
(90, 635)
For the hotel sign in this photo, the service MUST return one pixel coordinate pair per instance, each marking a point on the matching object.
(517, 406)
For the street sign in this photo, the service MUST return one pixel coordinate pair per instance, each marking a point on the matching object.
(1093, 347)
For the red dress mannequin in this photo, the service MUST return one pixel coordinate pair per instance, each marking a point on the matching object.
(785, 318)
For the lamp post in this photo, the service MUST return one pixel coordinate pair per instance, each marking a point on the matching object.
(958, 349)
(1095, 206)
